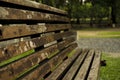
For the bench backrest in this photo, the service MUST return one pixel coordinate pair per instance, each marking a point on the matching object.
(34, 39)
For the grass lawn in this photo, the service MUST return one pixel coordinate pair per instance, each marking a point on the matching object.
(98, 33)
(112, 70)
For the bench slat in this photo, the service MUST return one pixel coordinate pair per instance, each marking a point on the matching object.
(56, 74)
(19, 14)
(24, 30)
(46, 52)
(21, 47)
(29, 4)
(93, 75)
(18, 67)
(40, 72)
(73, 69)
(84, 68)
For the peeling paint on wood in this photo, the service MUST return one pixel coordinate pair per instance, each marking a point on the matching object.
(12, 31)
(41, 71)
(18, 48)
(25, 63)
(14, 14)
(36, 5)
(3, 12)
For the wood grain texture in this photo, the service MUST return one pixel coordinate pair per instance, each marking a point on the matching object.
(41, 71)
(73, 69)
(29, 4)
(94, 71)
(19, 14)
(24, 30)
(57, 73)
(29, 61)
(23, 46)
(81, 75)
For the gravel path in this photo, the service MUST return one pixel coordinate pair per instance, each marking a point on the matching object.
(109, 45)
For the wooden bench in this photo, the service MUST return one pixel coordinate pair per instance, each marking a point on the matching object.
(36, 42)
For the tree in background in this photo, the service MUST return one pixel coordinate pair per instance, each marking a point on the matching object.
(113, 8)
(55, 3)
(95, 10)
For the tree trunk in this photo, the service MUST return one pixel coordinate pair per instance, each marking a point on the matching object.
(113, 13)
(78, 21)
(91, 21)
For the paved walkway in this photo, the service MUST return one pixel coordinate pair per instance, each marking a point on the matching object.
(109, 45)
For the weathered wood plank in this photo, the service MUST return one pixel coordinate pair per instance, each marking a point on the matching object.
(41, 71)
(27, 62)
(39, 6)
(21, 47)
(19, 14)
(93, 75)
(23, 30)
(73, 69)
(81, 75)
(56, 74)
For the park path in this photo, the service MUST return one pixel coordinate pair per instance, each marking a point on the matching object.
(106, 40)
(108, 45)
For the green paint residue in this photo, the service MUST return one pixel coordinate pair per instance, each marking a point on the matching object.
(42, 79)
(27, 71)
(53, 54)
(16, 57)
(71, 53)
(52, 69)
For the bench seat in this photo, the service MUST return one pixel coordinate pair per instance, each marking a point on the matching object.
(83, 65)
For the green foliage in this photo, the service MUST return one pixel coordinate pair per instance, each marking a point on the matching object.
(93, 9)
(100, 11)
